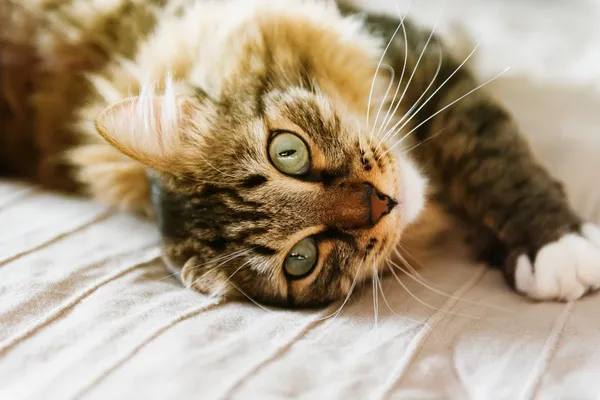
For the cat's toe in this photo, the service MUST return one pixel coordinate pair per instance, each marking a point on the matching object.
(562, 270)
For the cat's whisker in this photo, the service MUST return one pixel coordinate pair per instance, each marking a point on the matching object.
(350, 291)
(256, 303)
(202, 181)
(229, 256)
(360, 145)
(409, 114)
(215, 168)
(382, 102)
(237, 270)
(406, 151)
(216, 259)
(418, 62)
(358, 131)
(412, 269)
(171, 275)
(377, 71)
(412, 273)
(388, 115)
(375, 298)
(444, 108)
(390, 307)
(424, 303)
(404, 121)
(226, 259)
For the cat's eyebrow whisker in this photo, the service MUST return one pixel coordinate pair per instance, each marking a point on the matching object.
(379, 67)
(444, 108)
(256, 303)
(409, 114)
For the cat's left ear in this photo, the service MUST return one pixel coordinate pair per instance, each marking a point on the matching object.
(156, 131)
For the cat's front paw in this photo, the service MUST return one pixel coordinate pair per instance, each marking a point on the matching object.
(562, 270)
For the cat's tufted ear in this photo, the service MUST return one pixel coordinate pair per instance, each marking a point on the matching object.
(157, 131)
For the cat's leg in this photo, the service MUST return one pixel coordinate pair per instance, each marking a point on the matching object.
(485, 173)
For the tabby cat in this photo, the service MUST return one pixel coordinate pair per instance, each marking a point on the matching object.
(277, 152)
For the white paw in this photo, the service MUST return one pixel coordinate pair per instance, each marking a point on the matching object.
(563, 270)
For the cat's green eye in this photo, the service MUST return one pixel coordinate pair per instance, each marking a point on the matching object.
(302, 258)
(289, 154)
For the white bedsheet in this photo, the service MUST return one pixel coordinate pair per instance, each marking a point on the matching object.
(88, 311)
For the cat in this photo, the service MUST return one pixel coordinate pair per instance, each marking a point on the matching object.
(285, 149)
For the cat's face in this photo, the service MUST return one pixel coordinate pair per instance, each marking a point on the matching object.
(278, 190)
(299, 206)
(292, 206)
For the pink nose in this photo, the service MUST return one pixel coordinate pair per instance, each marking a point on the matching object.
(381, 205)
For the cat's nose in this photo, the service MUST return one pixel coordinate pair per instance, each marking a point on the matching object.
(381, 205)
(356, 206)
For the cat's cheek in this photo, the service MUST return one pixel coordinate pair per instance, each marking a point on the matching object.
(413, 191)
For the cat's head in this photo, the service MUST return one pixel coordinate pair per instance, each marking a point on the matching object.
(272, 186)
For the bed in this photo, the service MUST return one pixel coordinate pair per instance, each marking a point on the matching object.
(87, 309)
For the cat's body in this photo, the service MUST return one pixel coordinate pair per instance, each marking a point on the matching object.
(235, 80)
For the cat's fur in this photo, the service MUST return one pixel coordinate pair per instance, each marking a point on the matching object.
(215, 79)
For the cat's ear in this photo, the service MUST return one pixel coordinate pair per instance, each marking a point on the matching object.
(156, 131)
